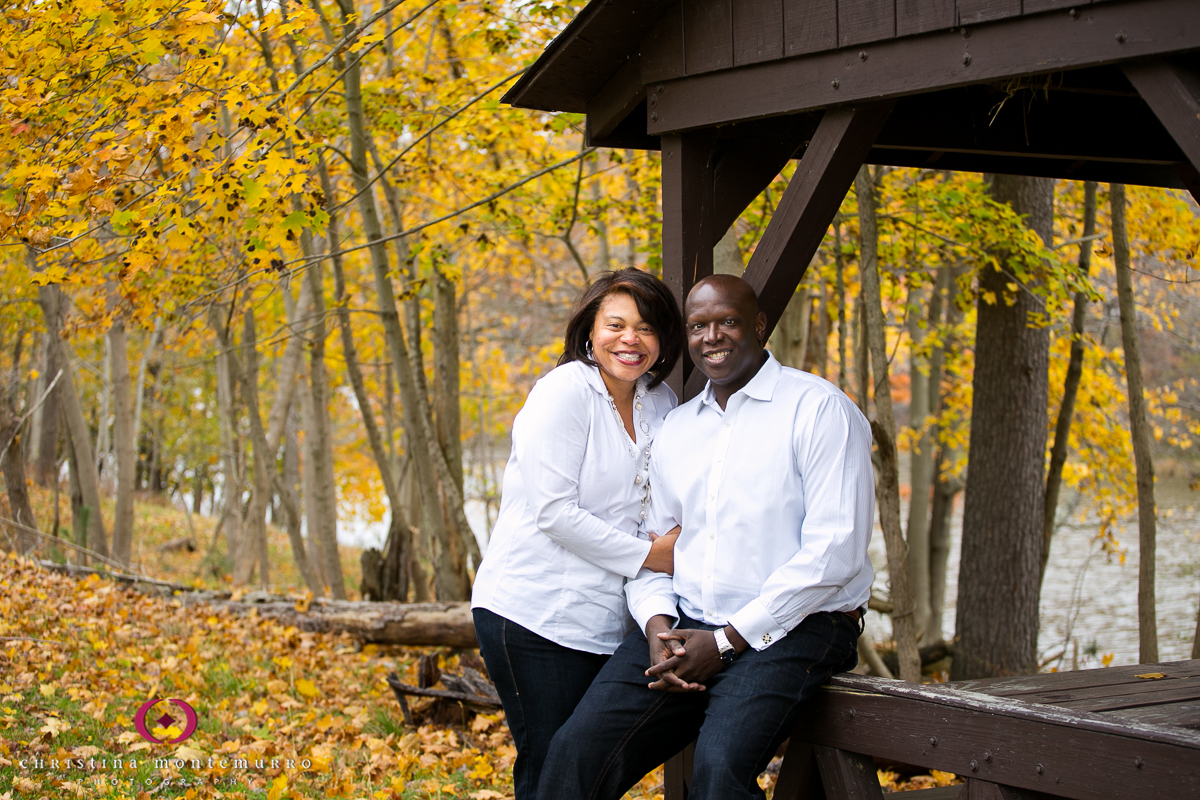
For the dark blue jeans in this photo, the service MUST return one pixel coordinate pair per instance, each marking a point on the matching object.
(539, 682)
(622, 729)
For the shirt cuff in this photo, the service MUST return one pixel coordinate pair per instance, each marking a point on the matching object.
(640, 549)
(653, 607)
(756, 625)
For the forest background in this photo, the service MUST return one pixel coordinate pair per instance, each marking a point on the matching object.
(278, 275)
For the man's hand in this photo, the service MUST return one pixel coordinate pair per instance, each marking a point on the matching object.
(662, 552)
(663, 649)
(700, 660)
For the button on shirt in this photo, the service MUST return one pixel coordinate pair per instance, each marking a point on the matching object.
(566, 537)
(776, 497)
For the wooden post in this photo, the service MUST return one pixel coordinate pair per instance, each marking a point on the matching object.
(1173, 94)
(687, 236)
(846, 775)
(677, 774)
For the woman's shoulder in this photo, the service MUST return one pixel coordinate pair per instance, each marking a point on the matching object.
(570, 381)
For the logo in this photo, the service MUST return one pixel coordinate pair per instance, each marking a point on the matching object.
(165, 721)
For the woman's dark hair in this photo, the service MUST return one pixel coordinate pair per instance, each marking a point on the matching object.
(655, 304)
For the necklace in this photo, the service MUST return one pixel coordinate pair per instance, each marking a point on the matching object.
(641, 477)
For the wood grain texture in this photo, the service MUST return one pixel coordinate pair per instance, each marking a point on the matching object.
(757, 30)
(662, 48)
(847, 775)
(1173, 92)
(1075, 761)
(707, 35)
(972, 12)
(922, 16)
(809, 26)
(1010, 48)
(861, 21)
(1038, 6)
(687, 223)
(619, 97)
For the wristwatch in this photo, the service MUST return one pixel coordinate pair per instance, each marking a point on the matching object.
(728, 654)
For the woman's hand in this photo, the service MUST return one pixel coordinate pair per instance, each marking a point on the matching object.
(662, 552)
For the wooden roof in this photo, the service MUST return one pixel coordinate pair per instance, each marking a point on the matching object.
(1018, 86)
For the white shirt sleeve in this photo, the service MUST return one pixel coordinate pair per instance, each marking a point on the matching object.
(550, 437)
(653, 593)
(832, 449)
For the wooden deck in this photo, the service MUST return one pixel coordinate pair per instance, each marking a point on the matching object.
(1121, 732)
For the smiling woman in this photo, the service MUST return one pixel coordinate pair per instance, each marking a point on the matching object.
(549, 601)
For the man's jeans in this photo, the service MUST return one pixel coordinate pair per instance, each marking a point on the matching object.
(539, 683)
(621, 729)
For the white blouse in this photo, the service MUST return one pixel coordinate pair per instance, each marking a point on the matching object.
(567, 537)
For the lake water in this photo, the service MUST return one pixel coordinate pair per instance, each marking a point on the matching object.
(1089, 598)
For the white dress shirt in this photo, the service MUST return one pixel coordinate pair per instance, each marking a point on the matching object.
(566, 537)
(776, 496)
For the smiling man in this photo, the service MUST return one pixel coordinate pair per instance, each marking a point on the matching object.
(768, 471)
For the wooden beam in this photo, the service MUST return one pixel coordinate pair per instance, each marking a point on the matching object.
(847, 775)
(677, 772)
(687, 222)
(799, 778)
(1098, 34)
(612, 104)
(1173, 93)
(744, 167)
(813, 196)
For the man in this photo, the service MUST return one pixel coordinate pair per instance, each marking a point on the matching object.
(769, 474)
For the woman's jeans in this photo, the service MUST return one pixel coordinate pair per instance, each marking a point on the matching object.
(539, 682)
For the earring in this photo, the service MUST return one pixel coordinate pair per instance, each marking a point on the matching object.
(588, 350)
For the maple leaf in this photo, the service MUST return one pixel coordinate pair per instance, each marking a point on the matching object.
(307, 688)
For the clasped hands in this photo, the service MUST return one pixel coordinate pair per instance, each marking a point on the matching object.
(681, 660)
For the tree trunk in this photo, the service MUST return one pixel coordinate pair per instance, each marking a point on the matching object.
(13, 459)
(252, 546)
(887, 489)
(839, 262)
(51, 299)
(433, 473)
(79, 510)
(123, 443)
(789, 342)
(139, 388)
(727, 256)
(231, 448)
(921, 461)
(308, 473)
(322, 505)
(862, 355)
(944, 489)
(1140, 428)
(1066, 409)
(1000, 567)
(46, 453)
(289, 499)
(392, 581)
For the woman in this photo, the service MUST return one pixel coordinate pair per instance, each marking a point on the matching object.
(548, 601)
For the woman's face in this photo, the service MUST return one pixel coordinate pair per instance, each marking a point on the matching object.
(623, 344)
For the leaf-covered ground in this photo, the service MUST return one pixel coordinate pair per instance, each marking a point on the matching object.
(308, 715)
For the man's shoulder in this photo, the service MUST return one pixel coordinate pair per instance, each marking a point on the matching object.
(798, 386)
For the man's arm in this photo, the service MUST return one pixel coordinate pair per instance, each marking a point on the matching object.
(833, 453)
(832, 448)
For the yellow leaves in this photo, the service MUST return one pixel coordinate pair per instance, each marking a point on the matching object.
(307, 688)
(54, 726)
(277, 788)
(47, 689)
(321, 756)
(304, 602)
(259, 707)
(482, 769)
(1107, 659)
(487, 794)
(1151, 676)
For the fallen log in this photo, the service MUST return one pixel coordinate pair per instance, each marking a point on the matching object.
(414, 624)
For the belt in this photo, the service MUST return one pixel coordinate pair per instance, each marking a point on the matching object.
(855, 615)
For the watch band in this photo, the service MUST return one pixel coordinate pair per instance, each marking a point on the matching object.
(727, 651)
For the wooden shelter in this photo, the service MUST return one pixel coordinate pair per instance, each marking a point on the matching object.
(731, 90)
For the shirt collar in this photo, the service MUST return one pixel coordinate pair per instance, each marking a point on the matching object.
(761, 386)
(596, 381)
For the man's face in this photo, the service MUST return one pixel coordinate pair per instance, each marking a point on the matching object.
(724, 331)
